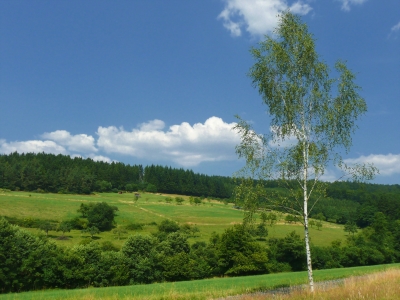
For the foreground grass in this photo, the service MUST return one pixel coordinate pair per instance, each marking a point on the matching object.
(214, 288)
(380, 285)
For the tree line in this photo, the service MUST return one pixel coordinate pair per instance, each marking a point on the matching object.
(62, 174)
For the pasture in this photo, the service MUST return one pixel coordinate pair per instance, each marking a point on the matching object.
(209, 216)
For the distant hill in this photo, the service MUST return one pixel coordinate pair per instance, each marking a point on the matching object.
(344, 201)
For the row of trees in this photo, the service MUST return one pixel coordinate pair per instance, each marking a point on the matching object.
(29, 262)
(63, 174)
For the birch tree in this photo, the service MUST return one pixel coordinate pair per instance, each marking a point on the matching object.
(313, 117)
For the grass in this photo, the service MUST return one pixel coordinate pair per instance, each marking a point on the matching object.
(210, 216)
(380, 285)
(217, 287)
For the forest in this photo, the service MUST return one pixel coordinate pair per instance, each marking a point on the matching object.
(63, 174)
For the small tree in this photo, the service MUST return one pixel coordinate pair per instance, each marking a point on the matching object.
(350, 227)
(91, 230)
(310, 125)
(101, 215)
(64, 226)
(46, 226)
(179, 200)
(84, 209)
(261, 231)
(168, 200)
(263, 217)
(272, 219)
(119, 231)
(319, 225)
(197, 201)
(311, 223)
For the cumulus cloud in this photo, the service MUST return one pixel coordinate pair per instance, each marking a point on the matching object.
(258, 17)
(100, 158)
(347, 3)
(183, 144)
(79, 142)
(35, 146)
(388, 164)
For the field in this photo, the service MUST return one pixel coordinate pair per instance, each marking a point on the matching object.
(221, 287)
(210, 216)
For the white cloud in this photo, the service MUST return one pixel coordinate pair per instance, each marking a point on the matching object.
(183, 144)
(100, 158)
(388, 164)
(396, 27)
(79, 142)
(152, 125)
(347, 3)
(35, 146)
(258, 17)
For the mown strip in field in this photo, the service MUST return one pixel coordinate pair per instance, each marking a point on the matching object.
(198, 289)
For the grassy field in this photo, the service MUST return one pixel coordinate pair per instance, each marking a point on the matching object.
(203, 289)
(211, 216)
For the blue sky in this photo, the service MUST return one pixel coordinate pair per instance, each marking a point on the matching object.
(158, 81)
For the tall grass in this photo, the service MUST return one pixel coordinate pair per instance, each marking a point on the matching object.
(382, 285)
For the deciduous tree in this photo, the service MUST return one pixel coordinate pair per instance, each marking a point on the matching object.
(312, 119)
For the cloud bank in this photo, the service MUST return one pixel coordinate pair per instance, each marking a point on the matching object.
(257, 17)
(388, 164)
(184, 144)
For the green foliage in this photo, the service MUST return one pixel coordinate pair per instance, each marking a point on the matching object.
(66, 175)
(46, 226)
(350, 227)
(134, 226)
(289, 250)
(64, 226)
(179, 200)
(190, 230)
(119, 231)
(310, 125)
(168, 226)
(319, 225)
(239, 254)
(151, 188)
(101, 215)
(91, 230)
(261, 231)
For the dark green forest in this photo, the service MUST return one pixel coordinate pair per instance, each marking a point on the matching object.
(62, 174)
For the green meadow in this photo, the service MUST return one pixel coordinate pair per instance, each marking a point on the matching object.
(198, 289)
(209, 216)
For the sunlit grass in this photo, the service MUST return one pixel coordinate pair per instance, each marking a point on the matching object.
(209, 217)
(222, 287)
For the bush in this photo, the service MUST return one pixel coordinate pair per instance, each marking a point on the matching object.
(168, 226)
(101, 215)
(134, 226)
